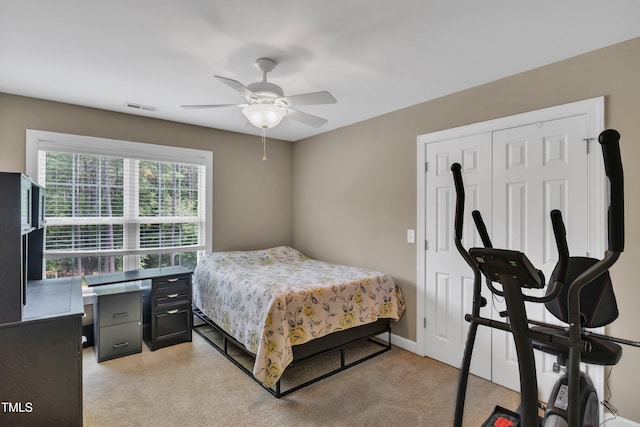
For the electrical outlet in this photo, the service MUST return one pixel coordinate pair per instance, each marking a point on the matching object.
(411, 236)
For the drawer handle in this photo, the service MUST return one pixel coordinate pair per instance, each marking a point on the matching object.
(125, 314)
(122, 344)
(173, 279)
(172, 311)
(172, 295)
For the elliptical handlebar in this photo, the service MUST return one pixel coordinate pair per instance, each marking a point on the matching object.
(560, 234)
(482, 229)
(478, 300)
(459, 218)
(456, 169)
(610, 142)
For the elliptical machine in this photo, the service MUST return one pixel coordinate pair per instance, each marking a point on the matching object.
(580, 294)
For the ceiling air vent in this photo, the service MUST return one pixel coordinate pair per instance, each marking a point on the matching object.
(139, 106)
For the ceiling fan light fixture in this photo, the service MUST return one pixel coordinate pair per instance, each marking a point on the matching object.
(264, 116)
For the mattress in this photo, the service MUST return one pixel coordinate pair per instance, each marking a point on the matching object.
(270, 300)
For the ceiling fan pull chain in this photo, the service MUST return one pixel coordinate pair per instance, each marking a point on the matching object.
(264, 144)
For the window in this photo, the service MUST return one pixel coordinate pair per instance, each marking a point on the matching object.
(114, 205)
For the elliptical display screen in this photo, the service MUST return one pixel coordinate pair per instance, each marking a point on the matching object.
(495, 263)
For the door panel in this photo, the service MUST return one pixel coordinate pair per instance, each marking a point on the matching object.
(449, 281)
(537, 168)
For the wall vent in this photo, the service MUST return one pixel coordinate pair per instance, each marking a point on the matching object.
(139, 106)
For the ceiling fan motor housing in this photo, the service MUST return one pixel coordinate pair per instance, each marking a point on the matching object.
(265, 90)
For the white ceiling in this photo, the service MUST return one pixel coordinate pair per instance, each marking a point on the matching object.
(374, 56)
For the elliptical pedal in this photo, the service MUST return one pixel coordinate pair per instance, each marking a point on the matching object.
(502, 417)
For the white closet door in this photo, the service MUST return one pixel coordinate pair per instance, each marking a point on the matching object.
(538, 168)
(449, 281)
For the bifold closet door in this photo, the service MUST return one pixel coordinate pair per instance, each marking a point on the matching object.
(537, 168)
(449, 280)
(515, 177)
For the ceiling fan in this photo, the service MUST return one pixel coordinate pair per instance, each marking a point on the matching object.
(266, 104)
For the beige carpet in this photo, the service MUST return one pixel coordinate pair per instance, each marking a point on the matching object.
(191, 384)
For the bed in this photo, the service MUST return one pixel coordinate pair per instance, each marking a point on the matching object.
(280, 305)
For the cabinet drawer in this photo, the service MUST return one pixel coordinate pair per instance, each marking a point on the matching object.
(169, 301)
(170, 284)
(118, 340)
(172, 290)
(119, 308)
(171, 323)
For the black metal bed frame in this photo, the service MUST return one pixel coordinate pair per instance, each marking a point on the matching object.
(337, 341)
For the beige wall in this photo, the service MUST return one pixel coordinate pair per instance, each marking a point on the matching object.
(354, 189)
(251, 198)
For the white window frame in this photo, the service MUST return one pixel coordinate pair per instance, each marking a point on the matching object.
(38, 140)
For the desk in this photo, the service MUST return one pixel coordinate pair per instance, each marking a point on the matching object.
(133, 275)
(166, 302)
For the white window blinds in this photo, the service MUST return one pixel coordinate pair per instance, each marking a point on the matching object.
(116, 205)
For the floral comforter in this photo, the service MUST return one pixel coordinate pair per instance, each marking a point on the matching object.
(270, 300)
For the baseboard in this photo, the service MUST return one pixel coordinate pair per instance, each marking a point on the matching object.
(618, 422)
(401, 342)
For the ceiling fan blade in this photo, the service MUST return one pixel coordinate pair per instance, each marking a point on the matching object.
(307, 119)
(213, 105)
(313, 98)
(236, 85)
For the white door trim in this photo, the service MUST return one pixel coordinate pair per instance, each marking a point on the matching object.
(594, 109)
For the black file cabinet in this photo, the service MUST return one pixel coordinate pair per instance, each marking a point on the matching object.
(167, 310)
(118, 320)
